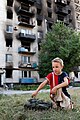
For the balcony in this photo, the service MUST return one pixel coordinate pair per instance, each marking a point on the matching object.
(61, 10)
(26, 37)
(61, 2)
(66, 21)
(32, 65)
(24, 10)
(21, 23)
(25, 21)
(49, 20)
(27, 1)
(9, 64)
(23, 50)
(31, 1)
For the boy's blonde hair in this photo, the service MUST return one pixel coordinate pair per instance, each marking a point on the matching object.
(59, 60)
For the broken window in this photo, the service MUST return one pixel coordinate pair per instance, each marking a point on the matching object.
(8, 73)
(9, 42)
(10, 3)
(39, 22)
(25, 45)
(49, 26)
(9, 14)
(49, 4)
(50, 14)
(38, 11)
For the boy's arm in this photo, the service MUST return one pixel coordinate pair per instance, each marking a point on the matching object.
(64, 84)
(39, 88)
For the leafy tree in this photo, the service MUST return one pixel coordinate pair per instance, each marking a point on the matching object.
(62, 42)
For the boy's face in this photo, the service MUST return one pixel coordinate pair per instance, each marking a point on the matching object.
(57, 67)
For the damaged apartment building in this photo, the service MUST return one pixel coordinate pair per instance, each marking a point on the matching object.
(23, 24)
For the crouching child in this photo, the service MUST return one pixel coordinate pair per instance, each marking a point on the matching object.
(58, 81)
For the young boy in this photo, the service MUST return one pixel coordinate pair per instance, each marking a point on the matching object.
(58, 81)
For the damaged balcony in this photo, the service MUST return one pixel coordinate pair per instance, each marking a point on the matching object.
(26, 37)
(61, 2)
(23, 50)
(61, 10)
(66, 21)
(27, 1)
(25, 21)
(25, 10)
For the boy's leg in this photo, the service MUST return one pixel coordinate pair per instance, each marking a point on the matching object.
(53, 101)
(57, 98)
(66, 103)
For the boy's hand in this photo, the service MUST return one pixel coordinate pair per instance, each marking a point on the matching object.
(54, 90)
(34, 93)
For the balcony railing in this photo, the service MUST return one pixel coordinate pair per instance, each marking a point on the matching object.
(23, 51)
(26, 37)
(31, 64)
(61, 2)
(21, 23)
(66, 21)
(25, 21)
(22, 10)
(27, 1)
(62, 10)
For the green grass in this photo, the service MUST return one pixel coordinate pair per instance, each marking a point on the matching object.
(28, 87)
(12, 108)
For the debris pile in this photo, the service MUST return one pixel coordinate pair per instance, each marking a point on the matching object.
(36, 104)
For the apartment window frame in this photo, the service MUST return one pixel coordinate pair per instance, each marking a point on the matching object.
(9, 28)
(27, 31)
(9, 58)
(26, 74)
(25, 59)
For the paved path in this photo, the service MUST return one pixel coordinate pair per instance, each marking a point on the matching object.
(12, 92)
